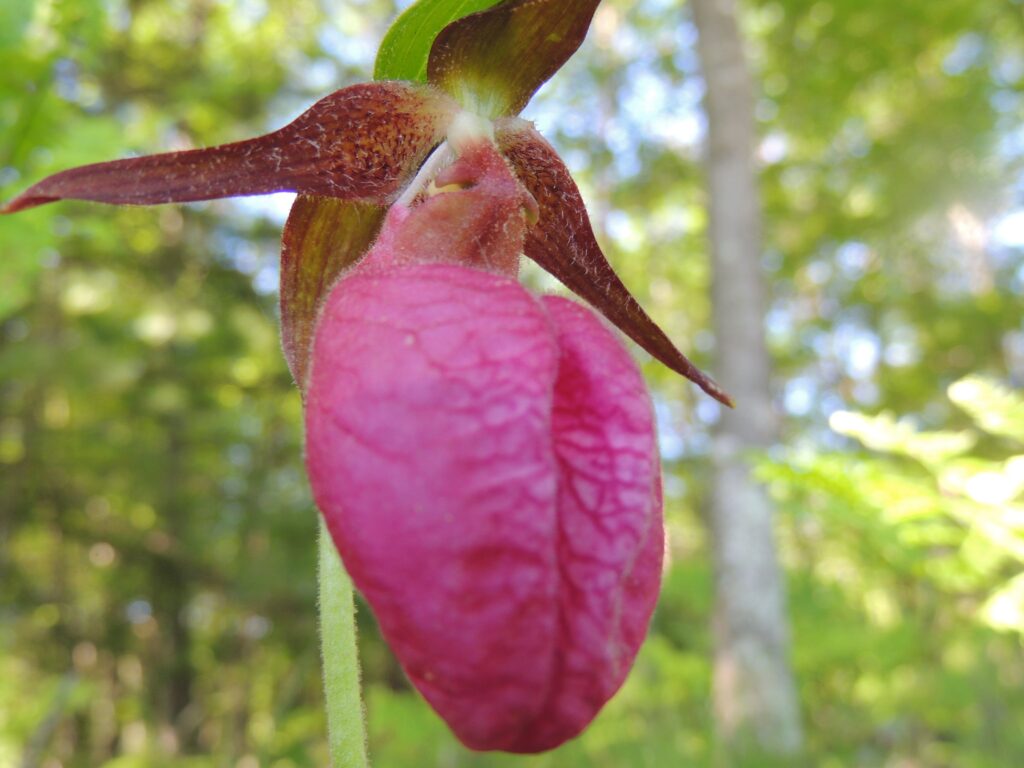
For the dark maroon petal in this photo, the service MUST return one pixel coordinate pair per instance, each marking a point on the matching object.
(322, 237)
(493, 61)
(359, 142)
(563, 243)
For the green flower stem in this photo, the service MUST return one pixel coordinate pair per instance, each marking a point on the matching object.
(346, 726)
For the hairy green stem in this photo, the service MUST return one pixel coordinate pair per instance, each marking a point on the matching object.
(346, 727)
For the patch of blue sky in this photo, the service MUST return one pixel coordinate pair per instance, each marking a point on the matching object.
(967, 53)
(274, 207)
(670, 442)
(253, 258)
(853, 258)
(248, 12)
(903, 348)
(800, 395)
(353, 50)
(858, 348)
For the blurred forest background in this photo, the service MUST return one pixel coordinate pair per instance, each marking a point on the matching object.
(157, 538)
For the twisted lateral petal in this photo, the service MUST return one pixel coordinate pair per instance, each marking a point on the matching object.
(563, 243)
(322, 237)
(493, 61)
(359, 142)
(486, 464)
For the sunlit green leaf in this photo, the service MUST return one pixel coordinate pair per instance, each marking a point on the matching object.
(1005, 608)
(884, 433)
(997, 409)
(405, 48)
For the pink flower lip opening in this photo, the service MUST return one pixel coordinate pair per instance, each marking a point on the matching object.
(487, 466)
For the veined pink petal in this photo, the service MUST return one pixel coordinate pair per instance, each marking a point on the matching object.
(487, 467)
(359, 142)
(610, 533)
(563, 243)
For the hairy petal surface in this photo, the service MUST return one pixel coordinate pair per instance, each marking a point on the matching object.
(360, 142)
(486, 465)
(563, 243)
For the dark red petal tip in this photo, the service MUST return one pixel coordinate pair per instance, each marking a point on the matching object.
(563, 243)
(494, 61)
(359, 142)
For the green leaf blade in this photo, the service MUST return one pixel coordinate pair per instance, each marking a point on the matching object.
(404, 51)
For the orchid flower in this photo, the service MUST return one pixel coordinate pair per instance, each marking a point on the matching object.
(364, 145)
(485, 460)
(487, 466)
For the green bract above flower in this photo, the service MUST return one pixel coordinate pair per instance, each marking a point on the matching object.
(355, 152)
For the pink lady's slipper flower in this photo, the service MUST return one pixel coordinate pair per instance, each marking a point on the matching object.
(354, 152)
(485, 459)
(486, 463)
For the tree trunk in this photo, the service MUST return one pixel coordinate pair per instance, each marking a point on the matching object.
(755, 701)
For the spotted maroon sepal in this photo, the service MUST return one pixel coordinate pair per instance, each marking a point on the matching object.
(359, 142)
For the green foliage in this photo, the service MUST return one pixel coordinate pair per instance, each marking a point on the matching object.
(994, 408)
(157, 556)
(919, 548)
(405, 48)
(149, 431)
